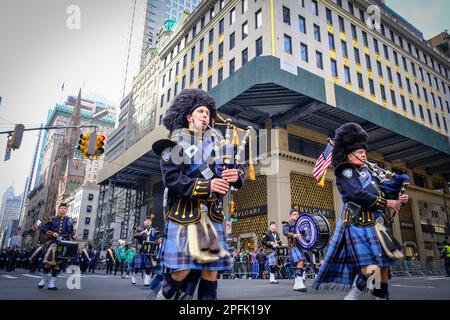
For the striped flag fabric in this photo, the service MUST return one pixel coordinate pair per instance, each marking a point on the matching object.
(323, 162)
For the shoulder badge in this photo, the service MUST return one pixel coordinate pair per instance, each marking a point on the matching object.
(348, 173)
(165, 154)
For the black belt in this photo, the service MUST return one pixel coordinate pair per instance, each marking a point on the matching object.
(354, 214)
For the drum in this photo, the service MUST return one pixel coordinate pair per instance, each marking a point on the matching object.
(66, 249)
(316, 231)
(282, 251)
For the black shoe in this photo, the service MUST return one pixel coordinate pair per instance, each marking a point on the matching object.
(53, 288)
(40, 287)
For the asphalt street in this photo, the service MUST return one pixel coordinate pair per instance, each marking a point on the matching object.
(21, 285)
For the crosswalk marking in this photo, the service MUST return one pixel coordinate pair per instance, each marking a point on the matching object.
(9, 277)
(422, 287)
(31, 276)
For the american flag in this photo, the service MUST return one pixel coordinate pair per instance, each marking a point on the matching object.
(323, 162)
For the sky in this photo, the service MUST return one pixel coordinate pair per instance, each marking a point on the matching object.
(39, 52)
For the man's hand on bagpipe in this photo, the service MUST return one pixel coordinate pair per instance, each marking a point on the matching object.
(230, 175)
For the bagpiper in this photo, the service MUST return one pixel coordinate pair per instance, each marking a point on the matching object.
(271, 240)
(357, 252)
(195, 238)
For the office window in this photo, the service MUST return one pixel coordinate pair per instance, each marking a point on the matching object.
(394, 101)
(163, 81)
(221, 26)
(331, 41)
(408, 85)
(334, 70)
(202, 44)
(244, 6)
(341, 24)
(329, 16)
(319, 61)
(177, 68)
(168, 94)
(161, 101)
(209, 83)
(211, 14)
(399, 79)
(89, 208)
(389, 73)
(200, 68)
(366, 42)
(90, 197)
(351, 9)
(371, 87)
(357, 57)
(425, 94)
(375, 45)
(160, 119)
(380, 69)
(404, 64)
(287, 44)
(429, 116)
(316, 32)
(339, 3)
(259, 47)
(368, 62)
(210, 60)
(220, 75)
(304, 52)
(361, 14)
(170, 75)
(194, 31)
(302, 24)
(402, 99)
(221, 51)
(383, 92)
(232, 16)
(347, 74)
(232, 40)
(184, 61)
(211, 36)
(192, 54)
(386, 52)
(392, 36)
(344, 49)
(354, 33)
(417, 90)
(258, 19)
(232, 66)
(222, 4)
(360, 81)
(383, 31)
(400, 41)
(244, 56)
(244, 30)
(286, 15)
(396, 57)
(202, 23)
(413, 110)
(183, 83)
(85, 234)
(315, 7)
(87, 220)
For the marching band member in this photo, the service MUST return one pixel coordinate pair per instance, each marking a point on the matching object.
(85, 258)
(195, 237)
(144, 261)
(110, 260)
(356, 252)
(59, 226)
(36, 257)
(271, 240)
(297, 256)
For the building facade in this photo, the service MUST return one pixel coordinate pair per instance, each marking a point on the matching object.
(300, 69)
(10, 211)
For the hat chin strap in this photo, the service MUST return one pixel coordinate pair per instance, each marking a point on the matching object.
(358, 158)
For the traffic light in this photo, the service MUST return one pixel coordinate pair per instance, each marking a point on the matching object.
(99, 147)
(17, 135)
(83, 144)
(232, 207)
(91, 145)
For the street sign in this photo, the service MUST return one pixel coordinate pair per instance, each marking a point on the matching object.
(228, 227)
(8, 150)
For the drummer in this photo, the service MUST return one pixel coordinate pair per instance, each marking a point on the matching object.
(146, 238)
(60, 227)
(271, 241)
(297, 255)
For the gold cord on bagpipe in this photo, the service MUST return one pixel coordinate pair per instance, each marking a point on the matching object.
(235, 142)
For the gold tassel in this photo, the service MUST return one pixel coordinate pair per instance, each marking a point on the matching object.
(251, 168)
(235, 137)
(322, 181)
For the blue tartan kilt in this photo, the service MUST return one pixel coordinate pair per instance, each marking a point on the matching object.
(273, 259)
(174, 252)
(142, 261)
(296, 255)
(350, 249)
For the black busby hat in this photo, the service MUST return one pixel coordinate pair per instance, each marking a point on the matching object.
(184, 104)
(348, 138)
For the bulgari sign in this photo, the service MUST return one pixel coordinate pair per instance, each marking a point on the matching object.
(251, 212)
(311, 210)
